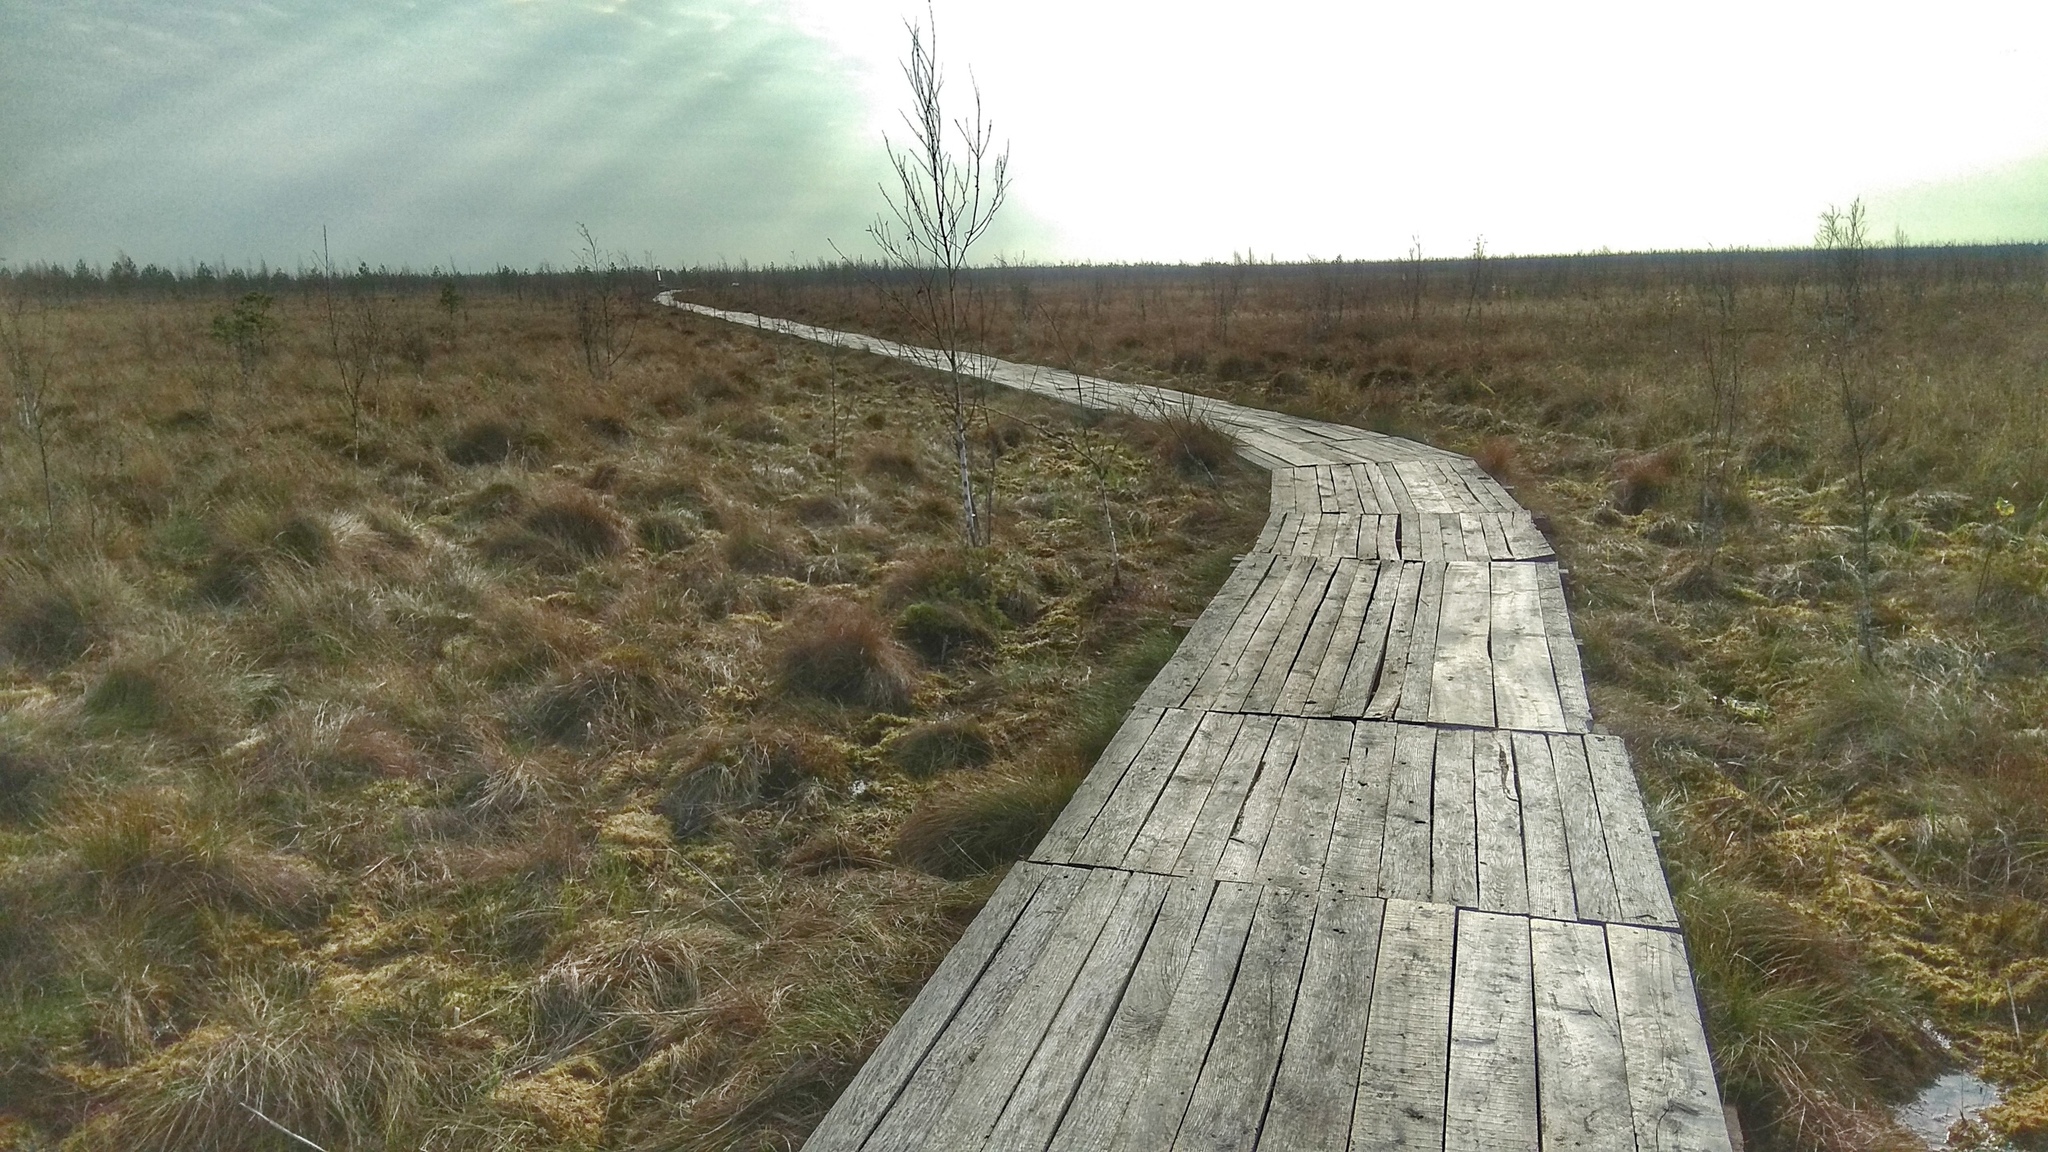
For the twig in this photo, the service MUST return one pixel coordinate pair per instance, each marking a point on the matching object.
(281, 1128)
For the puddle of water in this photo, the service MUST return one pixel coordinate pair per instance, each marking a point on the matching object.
(1932, 1113)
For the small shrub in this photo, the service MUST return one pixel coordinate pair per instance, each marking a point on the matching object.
(23, 778)
(306, 539)
(1640, 481)
(940, 746)
(231, 576)
(662, 534)
(755, 545)
(942, 633)
(736, 769)
(625, 689)
(152, 845)
(1190, 443)
(841, 651)
(578, 523)
(130, 697)
(829, 851)
(585, 993)
(959, 832)
(487, 441)
(822, 511)
(1498, 457)
(885, 463)
(45, 633)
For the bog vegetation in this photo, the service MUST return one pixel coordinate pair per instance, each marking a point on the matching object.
(1802, 497)
(497, 713)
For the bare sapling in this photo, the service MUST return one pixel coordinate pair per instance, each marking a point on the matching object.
(1085, 444)
(1412, 270)
(605, 315)
(355, 338)
(1477, 285)
(950, 182)
(1843, 243)
(1721, 354)
(31, 358)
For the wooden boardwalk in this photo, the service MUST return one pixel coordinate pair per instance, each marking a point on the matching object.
(1356, 873)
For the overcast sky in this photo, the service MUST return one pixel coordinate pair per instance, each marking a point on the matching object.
(480, 132)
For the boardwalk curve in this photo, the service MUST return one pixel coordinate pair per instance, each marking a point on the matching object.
(1357, 872)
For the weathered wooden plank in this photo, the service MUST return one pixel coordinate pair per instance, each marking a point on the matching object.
(1581, 1076)
(1300, 838)
(1161, 1100)
(1329, 536)
(1224, 806)
(1592, 875)
(1477, 545)
(1228, 648)
(1164, 833)
(1397, 666)
(1564, 650)
(1346, 487)
(1407, 1032)
(1231, 1090)
(1461, 675)
(997, 1066)
(1453, 830)
(1236, 666)
(1387, 544)
(1524, 684)
(1545, 853)
(1096, 787)
(1405, 854)
(1109, 836)
(1491, 526)
(1348, 689)
(1452, 535)
(1112, 1077)
(1426, 542)
(1076, 1035)
(1672, 1094)
(1240, 859)
(1303, 540)
(876, 1086)
(1491, 1086)
(1326, 489)
(1497, 810)
(912, 1112)
(1345, 599)
(1423, 486)
(1525, 542)
(1389, 491)
(1170, 688)
(1264, 691)
(1316, 1089)
(1359, 831)
(1641, 892)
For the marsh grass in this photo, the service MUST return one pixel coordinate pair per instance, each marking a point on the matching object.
(1816, 615)
(508, 758)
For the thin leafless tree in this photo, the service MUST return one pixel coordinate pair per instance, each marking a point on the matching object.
(950, 182)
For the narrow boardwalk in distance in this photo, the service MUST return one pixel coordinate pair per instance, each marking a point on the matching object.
(1356, 872)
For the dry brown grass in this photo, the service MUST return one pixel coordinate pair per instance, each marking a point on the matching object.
(1854, 849)
(520, 768)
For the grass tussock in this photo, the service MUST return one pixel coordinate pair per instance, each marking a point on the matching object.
(972, 827)
(423, 776)
(842, 652)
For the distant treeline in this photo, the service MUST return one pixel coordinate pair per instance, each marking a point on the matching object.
(1478, 271)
